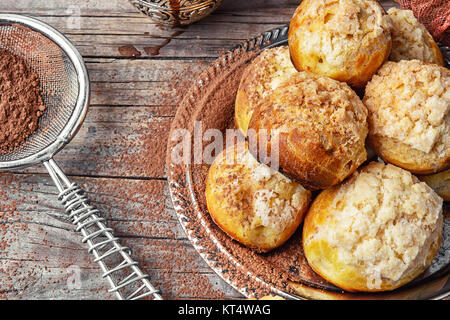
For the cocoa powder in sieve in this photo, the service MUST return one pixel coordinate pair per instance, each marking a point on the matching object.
(21, 103)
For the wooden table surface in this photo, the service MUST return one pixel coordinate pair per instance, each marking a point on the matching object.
(119, 154)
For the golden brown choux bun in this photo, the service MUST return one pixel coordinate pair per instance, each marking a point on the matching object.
(252, 203)
(411, 40)
(271, 297)
(439, 182)
(347, 40)
(320, 127)
(265, 73)
(377, 231)
(409, 103)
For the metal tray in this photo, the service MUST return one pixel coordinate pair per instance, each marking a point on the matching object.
(219, 255)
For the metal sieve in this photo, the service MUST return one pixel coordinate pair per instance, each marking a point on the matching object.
(65, 83)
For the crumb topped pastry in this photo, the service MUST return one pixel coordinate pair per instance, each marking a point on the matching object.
(265, 73)
(319, 125)
(347, 40)
(252, 203)
(377, 231)
(409, 103)
(411, 40)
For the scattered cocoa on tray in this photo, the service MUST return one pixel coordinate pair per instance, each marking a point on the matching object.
(21, 103)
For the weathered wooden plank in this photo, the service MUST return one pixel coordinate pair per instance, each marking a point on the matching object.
(153, 71)
(139, 24)
(124, 138)
(109, 46)
(117, 142)
(37, 251)
(91, 7)
(123, 8)
(116, 82)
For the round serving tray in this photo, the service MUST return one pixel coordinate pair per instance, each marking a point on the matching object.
(256, 275)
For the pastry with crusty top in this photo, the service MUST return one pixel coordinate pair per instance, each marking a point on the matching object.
(375, 232)
(409, 118)
(411, 40)
(265, 73)
(347, 40)
(252, 203)
(316, 125)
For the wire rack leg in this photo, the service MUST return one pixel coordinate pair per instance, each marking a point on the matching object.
(123, 274)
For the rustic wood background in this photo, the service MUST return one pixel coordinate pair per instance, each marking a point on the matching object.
(119, 154)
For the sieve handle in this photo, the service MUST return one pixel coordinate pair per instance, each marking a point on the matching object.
(125, 277)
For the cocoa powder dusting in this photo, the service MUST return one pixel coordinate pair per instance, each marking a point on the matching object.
(21, 103)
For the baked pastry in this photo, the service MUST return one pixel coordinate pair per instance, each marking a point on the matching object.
(377, 231)
(316, 125)
(347, 40)
(411, 40)
(439, 182)
(252, 203)
(265, 73)
(409, 120)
